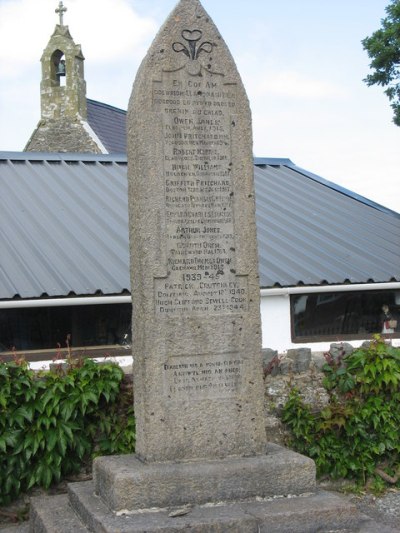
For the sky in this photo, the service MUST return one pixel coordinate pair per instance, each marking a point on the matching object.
(301, 61)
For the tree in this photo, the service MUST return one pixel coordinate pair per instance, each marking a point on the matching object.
(383, 47)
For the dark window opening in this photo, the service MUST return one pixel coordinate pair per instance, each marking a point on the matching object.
(344, 315)
(44, 328)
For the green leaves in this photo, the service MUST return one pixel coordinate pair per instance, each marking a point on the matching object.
(359, 429)
(383, 47)
(52, 424)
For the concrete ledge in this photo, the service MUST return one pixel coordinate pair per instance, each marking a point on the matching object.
(126, 483)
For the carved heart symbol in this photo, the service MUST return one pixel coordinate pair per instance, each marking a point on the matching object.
(190, 35)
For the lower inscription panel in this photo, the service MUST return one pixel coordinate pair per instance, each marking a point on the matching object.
(203, 377)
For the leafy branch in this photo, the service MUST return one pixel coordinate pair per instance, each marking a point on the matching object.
(356, 434)
(52, 424)
(383, 47)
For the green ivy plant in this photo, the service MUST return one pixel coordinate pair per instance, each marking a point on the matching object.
(52, 424)
(356, 435)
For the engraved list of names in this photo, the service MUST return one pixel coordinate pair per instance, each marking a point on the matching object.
(197, 120)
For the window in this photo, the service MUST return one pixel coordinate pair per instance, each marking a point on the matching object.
(44, 328)
(343, 315)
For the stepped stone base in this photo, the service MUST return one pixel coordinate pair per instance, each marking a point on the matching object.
(124, 482)
(235, 495)
(322, 512)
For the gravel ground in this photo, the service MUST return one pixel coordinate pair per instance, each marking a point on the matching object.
(385, 510)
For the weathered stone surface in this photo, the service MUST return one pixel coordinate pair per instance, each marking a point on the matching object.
(277, 390)
(318, 360)
(59, 100)
(199, 519)
(52, 514)
(301, 358)
(63, 125)
(195, 286)
(268, 355)
(321, 512)
(340, 349)
(270, 361)
(16, 528)
(286, 365)
(63, 135)
(124, 482)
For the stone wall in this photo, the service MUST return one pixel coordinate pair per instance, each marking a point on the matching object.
(298, 368)
(62, 135)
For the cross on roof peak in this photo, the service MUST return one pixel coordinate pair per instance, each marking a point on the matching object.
(61, 10)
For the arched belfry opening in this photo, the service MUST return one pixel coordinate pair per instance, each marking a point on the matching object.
(58, 68)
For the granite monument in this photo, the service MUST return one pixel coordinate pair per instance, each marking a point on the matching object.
(201, 463)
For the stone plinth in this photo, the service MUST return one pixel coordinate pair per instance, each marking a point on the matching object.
(320, 512)
(125, 482)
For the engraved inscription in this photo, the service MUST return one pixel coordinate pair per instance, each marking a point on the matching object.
(197, 172)
(203, 377)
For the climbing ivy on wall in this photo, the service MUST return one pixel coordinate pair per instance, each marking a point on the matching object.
(356, 435)
(54, 422)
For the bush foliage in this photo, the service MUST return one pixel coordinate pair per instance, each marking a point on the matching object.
(383, 47)
(51, 424)
(356, 435)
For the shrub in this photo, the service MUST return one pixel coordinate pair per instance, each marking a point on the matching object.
(50, 425)
(357, 434)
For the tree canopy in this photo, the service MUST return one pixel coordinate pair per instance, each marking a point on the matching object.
(383, 47)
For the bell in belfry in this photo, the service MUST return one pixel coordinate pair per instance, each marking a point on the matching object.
(61, 68)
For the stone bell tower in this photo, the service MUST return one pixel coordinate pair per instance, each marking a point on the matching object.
(63, 125)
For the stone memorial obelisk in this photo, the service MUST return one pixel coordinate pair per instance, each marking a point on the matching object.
(201, 463)
(194, 277)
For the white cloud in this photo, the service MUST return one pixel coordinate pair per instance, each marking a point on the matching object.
(107, 30)
(292, 84)
(21, 34)
(110, 28)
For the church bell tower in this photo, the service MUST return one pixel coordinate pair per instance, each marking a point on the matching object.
(63, 86)
(63, 125)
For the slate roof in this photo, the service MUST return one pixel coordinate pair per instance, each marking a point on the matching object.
(109, 124)
(64, 227)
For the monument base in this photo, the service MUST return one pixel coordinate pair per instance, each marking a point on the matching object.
(125, 483)
(271, 493)
(81, 511)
